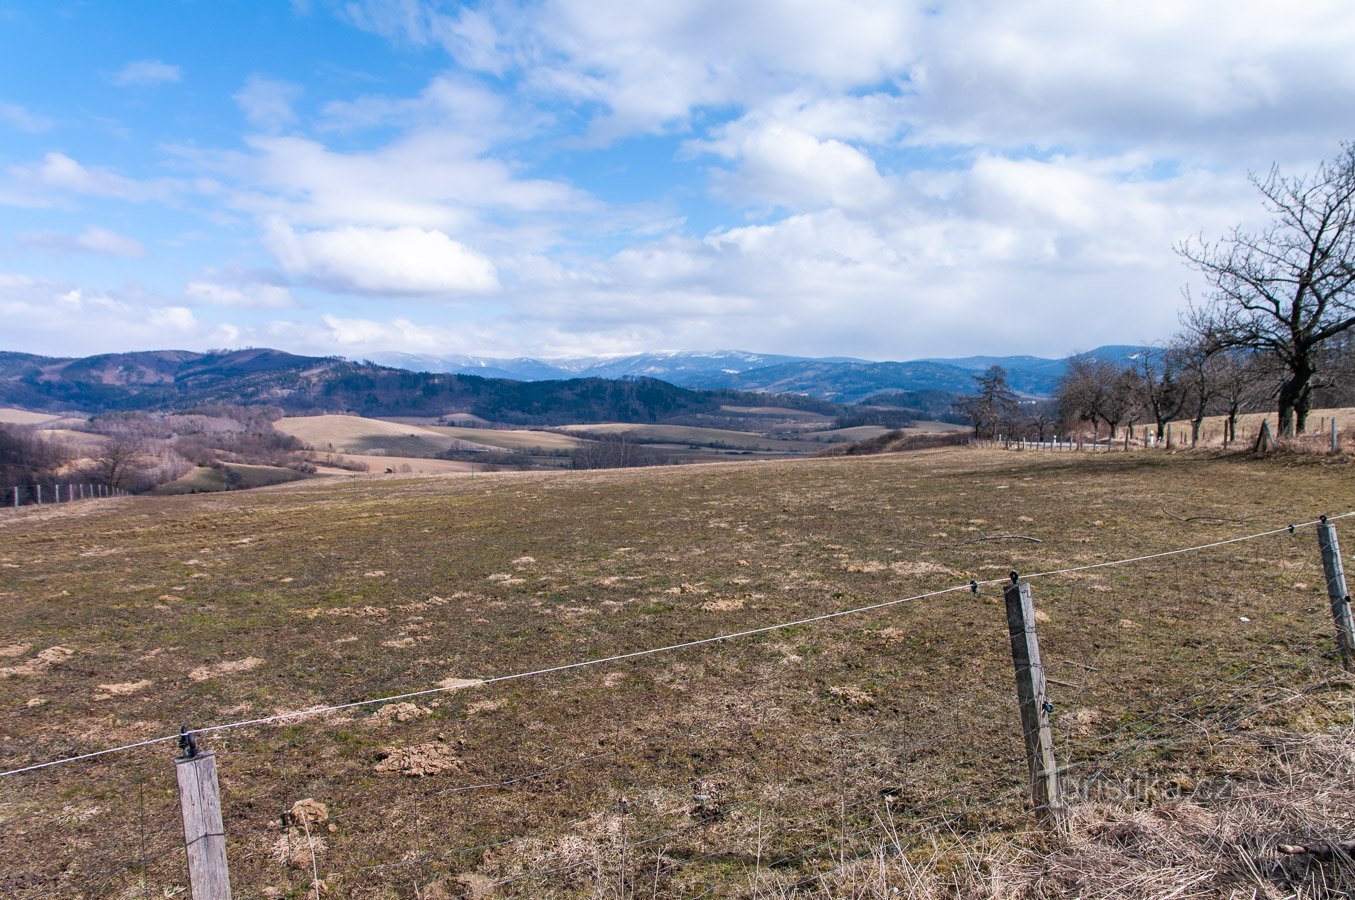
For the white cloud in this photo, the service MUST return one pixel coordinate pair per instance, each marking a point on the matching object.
(267, 102)
(252, 295)
(384, 261)
(93, 239)
(39, 314)
(23, 119)
(57, 171)
(786, 167)
(433, 180)
(146, 73)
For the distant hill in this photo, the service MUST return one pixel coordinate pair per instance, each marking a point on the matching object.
(840, 379)
(176, 379)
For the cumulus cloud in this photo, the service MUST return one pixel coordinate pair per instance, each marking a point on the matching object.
(251, 295)
(267, 102)
(146, 73)
(93, 239)
(39, 311)
(383, 261)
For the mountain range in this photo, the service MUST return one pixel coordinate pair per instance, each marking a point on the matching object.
(642, 388)
(839, 379)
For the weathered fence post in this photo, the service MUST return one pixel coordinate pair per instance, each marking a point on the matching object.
(204, 835)
(1335, 437)
(1336, 592)
(1033, 698)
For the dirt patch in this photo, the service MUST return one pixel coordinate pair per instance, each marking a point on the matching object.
(399, 712)
(433, 758)
(852, 696)
(921, 568)
(484, 706)
(230, 667)
(46, 659)
(456, 684)
(122, 689)
(727, 604)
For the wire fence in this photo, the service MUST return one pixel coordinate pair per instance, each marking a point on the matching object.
(700, 803)
(54, 493)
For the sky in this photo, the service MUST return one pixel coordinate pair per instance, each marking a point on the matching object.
(885, 180)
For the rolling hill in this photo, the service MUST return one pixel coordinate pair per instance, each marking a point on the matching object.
(172, 379)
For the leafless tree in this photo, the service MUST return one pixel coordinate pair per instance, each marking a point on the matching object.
(120, 461)
(1161, 387)
(1041, 417)
(1289, 289)
(1096, 390)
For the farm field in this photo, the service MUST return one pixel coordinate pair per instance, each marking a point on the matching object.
(737, 768)
(356, 434)
(11, 416)
(403, 465)
(693, 436)
(229, 476)
(528, 441)
(866, 432)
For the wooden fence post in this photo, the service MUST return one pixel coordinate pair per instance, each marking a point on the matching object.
(1033, 698)
(1335, 437)
(203, 833)
(1336, 592)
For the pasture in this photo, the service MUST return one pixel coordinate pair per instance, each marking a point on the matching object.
(737, 768)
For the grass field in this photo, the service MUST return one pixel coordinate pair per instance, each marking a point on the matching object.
(739, 768)
(11, 416)
(403, 465)
(356, 434)
(693, 436)
(776, 412)
(513, 439)
(229, 476)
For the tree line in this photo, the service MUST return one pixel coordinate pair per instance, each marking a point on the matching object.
(1272, 332)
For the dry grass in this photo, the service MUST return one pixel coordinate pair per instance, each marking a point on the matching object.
(1226, 836)
(695, 436)
(729, 768)
(526, 440)
(12, 416)
(355, 434)
(1249, 424)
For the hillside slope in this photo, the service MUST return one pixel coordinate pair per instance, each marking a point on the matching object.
(301, 384)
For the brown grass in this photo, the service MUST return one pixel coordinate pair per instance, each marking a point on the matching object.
(731, 768)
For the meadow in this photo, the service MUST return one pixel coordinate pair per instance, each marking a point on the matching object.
(807, 756)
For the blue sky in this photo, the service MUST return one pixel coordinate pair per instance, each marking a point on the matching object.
(878, 179)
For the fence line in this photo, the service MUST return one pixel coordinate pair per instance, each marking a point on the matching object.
(56, 493)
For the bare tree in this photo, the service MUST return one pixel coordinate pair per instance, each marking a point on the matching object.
(1161, 388)
(1291, 288)
(1242, 380)
(1096, 390)
(120, 461)
(1041, 417)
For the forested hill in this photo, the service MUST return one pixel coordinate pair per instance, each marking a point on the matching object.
(172, 379)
